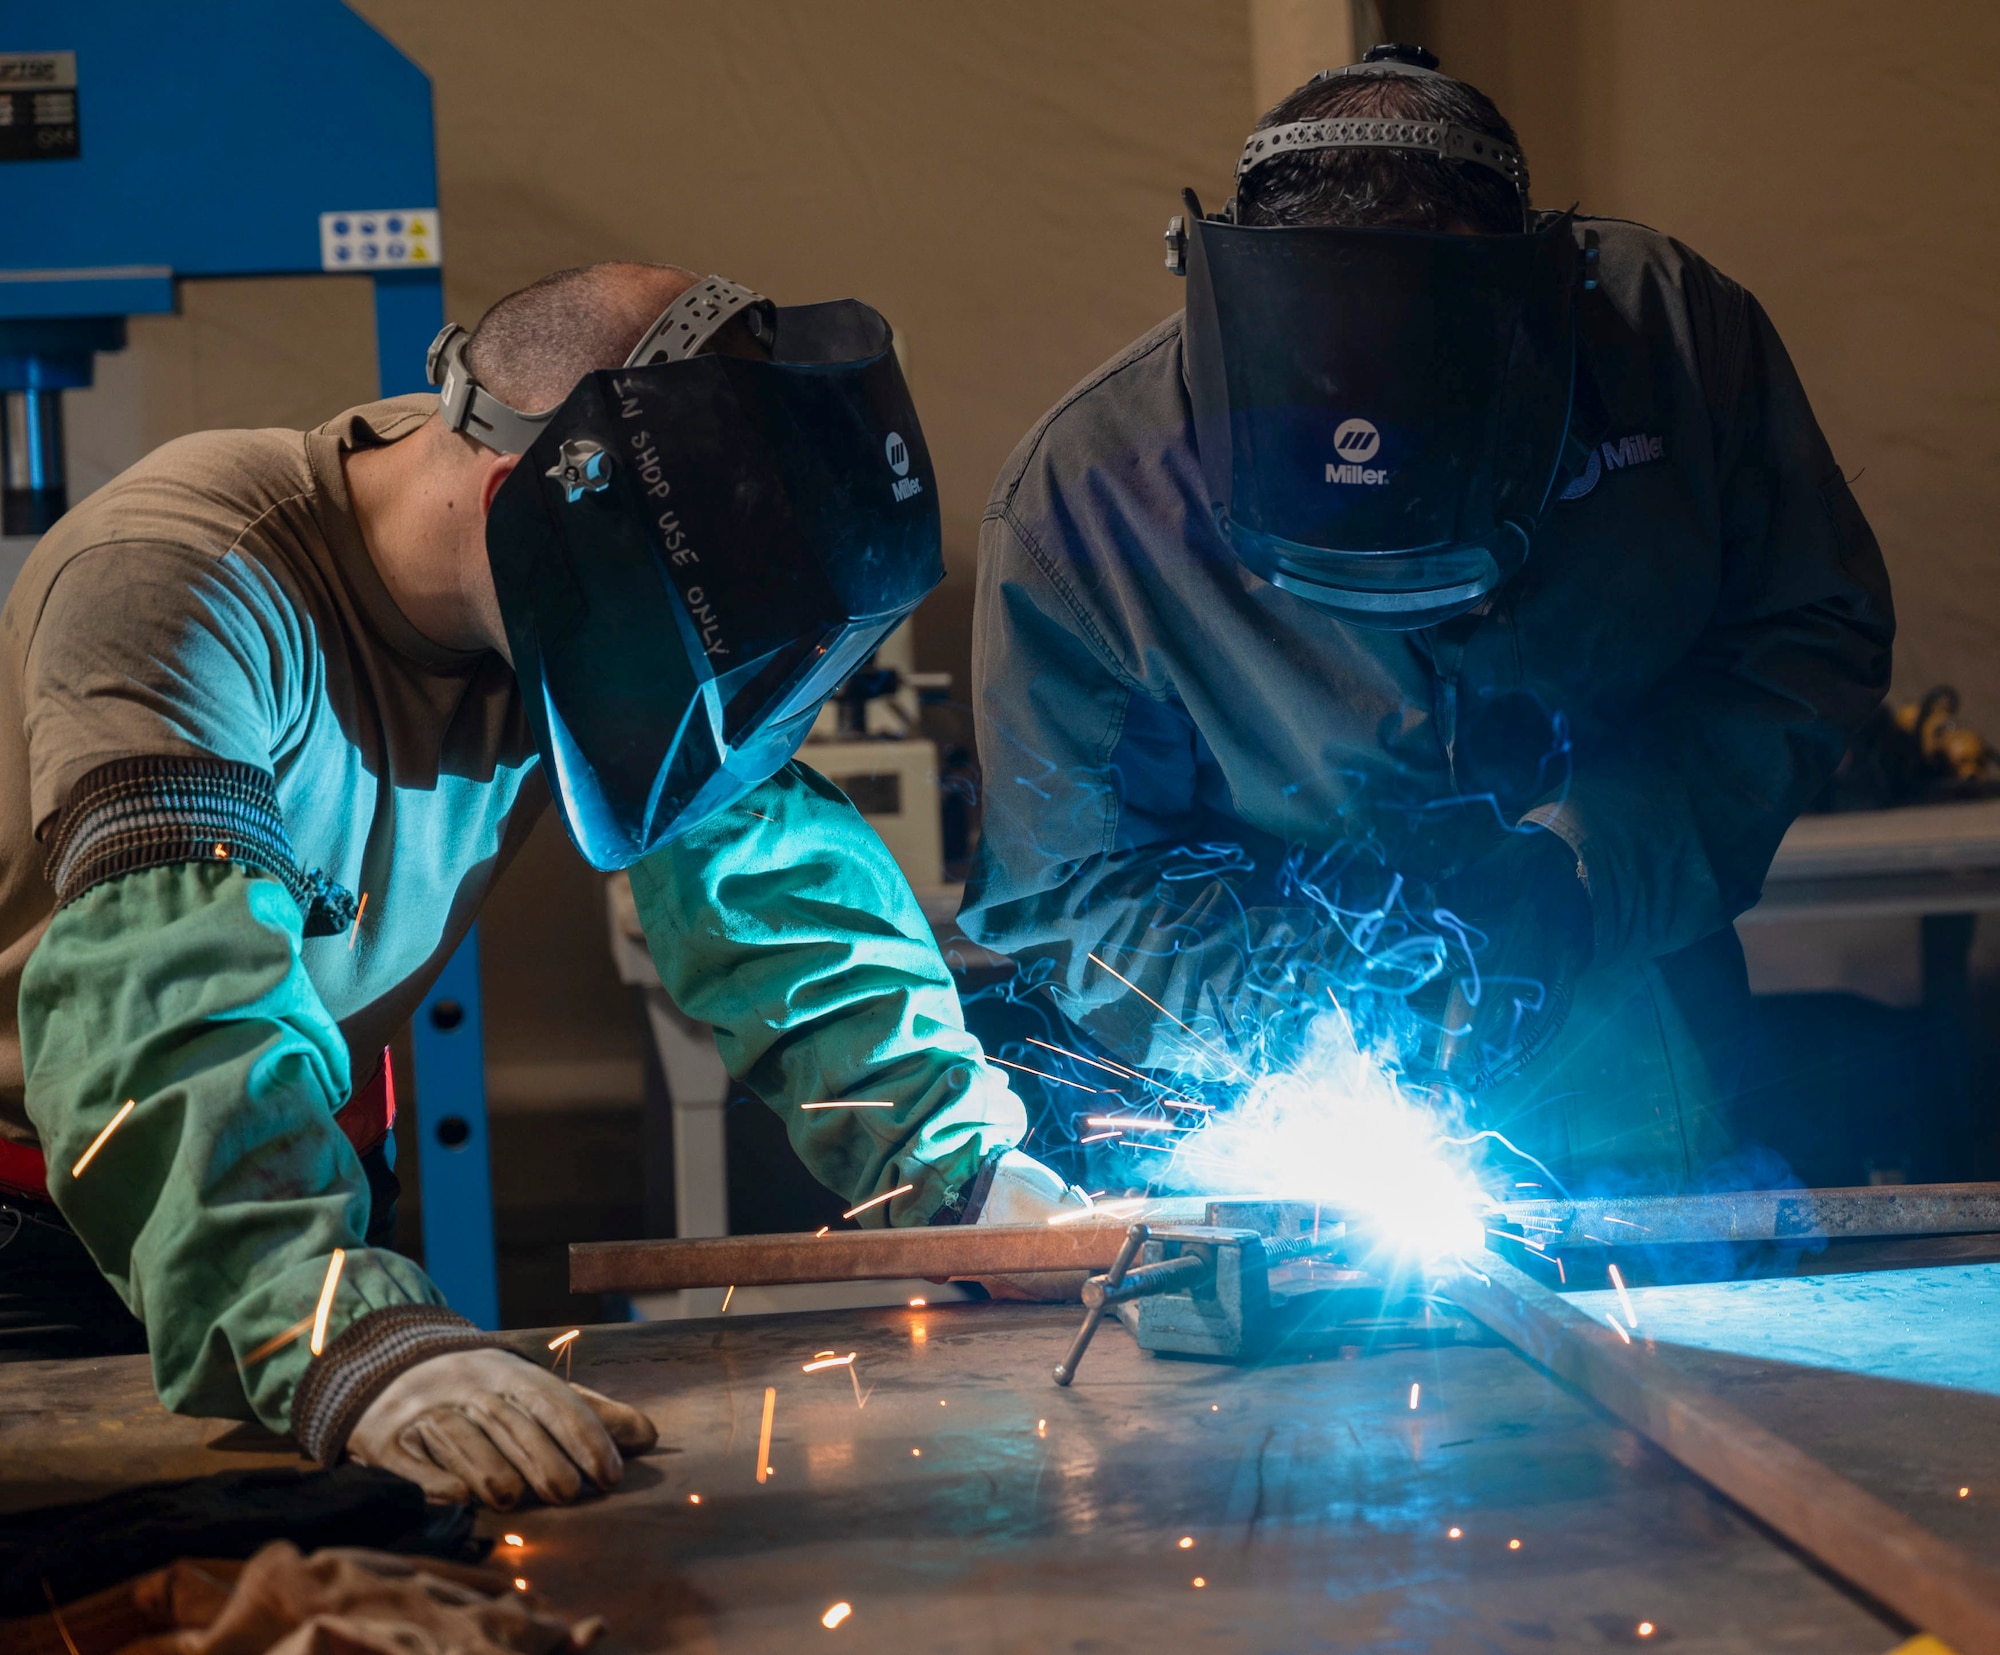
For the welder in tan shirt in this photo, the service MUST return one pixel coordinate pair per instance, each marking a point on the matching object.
(265, 674)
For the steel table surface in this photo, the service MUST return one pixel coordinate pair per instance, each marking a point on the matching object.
(953, 1518)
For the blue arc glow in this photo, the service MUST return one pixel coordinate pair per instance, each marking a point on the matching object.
(1338, 1127)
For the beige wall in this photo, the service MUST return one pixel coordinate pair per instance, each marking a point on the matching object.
(994, 177)
(1841, 158)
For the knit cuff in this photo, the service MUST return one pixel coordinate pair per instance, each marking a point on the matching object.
(356, 1368)
(152, 812)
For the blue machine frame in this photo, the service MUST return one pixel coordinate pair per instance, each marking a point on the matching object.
(241, 138)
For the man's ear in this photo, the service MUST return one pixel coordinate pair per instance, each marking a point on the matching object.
(498, 469)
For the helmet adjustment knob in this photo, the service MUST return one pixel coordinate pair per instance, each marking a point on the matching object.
(582, 467)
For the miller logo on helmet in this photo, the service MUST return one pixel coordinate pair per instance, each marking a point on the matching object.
(1355, 441)
(898, 454)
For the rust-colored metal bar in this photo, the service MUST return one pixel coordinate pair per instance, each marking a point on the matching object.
(842, 1255)
(1928, 1581)
(1764, 1215)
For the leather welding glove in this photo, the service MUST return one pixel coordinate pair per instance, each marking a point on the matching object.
(1519, 927)
(488, 1425)
(1021, 1190)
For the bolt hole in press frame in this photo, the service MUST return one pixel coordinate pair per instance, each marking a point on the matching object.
(447, 1037)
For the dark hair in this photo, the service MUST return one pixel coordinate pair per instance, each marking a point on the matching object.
(1384, 186)
(532, 347)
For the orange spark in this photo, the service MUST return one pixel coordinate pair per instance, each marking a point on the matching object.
(1162, 1010)
(829, 1362)
(732, 1294)
(834, 1616)
(562, 1339)
(1172, 1099)
(764, 1435)
(1095, 1063)
(354, 930)
(1624, 1298)
(1133, 1123)
(278, 1341)
(326, 1299)
(1123, 1207)
(900, 1189)
(512, 1540)
(97, 1143)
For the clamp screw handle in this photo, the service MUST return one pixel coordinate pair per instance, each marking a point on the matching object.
(1135, 1238)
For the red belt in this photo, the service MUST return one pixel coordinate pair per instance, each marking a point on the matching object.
(366, 1119)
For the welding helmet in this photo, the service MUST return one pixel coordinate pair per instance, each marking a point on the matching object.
(1379, 413)
(698, 548)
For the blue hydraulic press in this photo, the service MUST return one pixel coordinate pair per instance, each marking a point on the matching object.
(142, 145)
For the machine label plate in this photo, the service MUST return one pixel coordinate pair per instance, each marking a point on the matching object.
(38, 107)
(382, 238)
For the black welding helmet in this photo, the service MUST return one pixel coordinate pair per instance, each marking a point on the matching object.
(698, 548)
(1379, 413)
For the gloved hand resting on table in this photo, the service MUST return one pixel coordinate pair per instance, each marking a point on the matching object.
(487, 1425)
(1505, 990)
(1020, 1190)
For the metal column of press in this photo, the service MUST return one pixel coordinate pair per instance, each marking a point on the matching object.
(142, 145)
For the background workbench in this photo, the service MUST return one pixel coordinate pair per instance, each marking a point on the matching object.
(972, 1506)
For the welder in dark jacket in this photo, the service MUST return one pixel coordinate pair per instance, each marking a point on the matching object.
(1448, 614)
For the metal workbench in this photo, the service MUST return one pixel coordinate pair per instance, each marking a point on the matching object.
(972, 1506)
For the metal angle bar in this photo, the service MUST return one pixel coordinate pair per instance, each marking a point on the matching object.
(1928, 1581)
(841, 1255)
(1764, 1215)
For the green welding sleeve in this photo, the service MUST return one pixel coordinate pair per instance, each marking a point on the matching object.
(215, 1206)
(785, 924)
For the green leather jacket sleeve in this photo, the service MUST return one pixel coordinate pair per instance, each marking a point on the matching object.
(785, 924)
(215, 1206)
